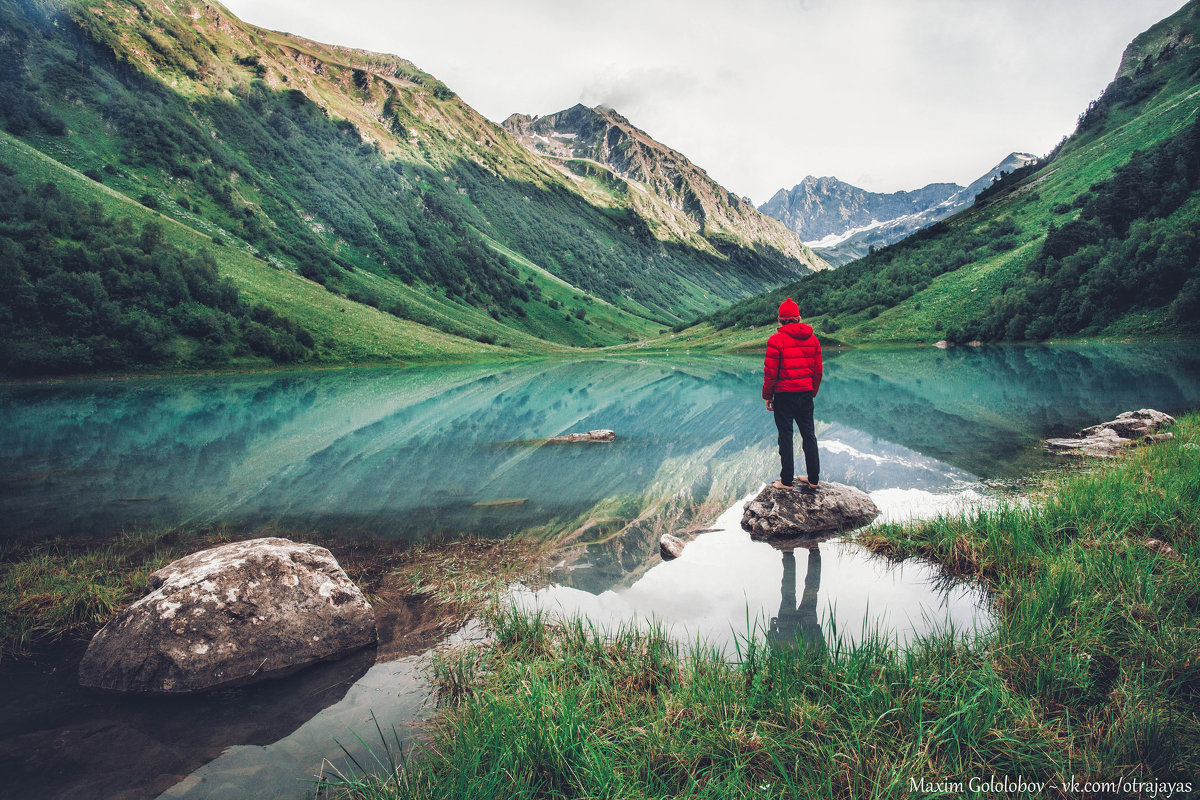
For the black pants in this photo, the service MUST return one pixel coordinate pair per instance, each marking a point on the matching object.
(798, 407)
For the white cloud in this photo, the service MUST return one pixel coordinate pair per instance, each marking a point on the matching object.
(887, 94)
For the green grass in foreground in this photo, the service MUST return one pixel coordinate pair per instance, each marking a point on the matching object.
(1093, 672)
(53, 591)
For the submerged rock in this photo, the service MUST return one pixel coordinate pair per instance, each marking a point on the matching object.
(590, 436)
(807, 513)
(671, 547)
(500, 502)
(1110, 438)
(231, 615)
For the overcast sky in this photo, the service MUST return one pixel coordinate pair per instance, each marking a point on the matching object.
(884, 94)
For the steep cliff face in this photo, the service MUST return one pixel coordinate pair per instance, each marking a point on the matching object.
(1175, 36)
(667, 187)
(603, 135)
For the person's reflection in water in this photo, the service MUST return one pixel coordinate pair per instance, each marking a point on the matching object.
(797, 626)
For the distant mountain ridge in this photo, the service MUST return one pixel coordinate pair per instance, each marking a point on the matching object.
(818, 208)
(842, 222)
(696, 205)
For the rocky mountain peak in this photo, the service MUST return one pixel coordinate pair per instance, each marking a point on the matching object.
(843, 221)
(518, 121)
(695, 205)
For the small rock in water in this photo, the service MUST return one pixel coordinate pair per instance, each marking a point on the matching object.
(1109, 438)
(231, 615)
(807, 513)
(1132, 424)
(670, 547)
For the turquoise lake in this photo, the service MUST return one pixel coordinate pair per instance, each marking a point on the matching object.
(442, 452)
(409, 453)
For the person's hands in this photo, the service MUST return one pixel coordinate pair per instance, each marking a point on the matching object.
(770, 406)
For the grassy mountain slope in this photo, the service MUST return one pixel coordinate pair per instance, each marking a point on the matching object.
(1107, 222)
(354, 170)
(343, 330)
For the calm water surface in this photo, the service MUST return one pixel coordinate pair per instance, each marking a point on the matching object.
(449, 451)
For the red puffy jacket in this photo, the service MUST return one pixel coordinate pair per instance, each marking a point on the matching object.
(793, 362)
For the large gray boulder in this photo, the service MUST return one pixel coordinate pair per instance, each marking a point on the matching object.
(231, 615)
(1110, 438)
(804, 513)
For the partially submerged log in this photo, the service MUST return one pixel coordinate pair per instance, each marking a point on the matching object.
(590, 436)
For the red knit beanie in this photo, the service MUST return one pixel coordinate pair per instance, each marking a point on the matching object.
(789, 310)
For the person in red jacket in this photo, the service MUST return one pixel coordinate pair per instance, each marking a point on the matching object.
(791, 378)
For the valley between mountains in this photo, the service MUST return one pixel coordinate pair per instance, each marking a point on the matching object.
(183, 190)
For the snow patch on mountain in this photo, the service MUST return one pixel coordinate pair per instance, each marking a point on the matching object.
(834, 239)
(842, 221)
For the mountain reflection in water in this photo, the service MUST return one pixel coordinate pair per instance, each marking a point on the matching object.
(451, 451)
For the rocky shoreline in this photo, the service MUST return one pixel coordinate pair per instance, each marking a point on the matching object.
(1109, 439)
